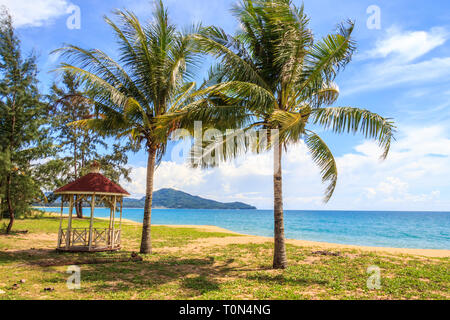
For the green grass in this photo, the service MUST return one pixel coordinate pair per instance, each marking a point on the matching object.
(162, 236)
(183, 267)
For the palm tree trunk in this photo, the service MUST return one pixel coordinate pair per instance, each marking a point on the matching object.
(279, 257)
(146, 242)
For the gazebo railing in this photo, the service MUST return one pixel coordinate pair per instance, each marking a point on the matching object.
(79, 237)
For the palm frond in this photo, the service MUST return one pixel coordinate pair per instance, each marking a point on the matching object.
(99, 63)
(183, 96)
(257, 98)
(236, 61)
(148, 79)
(224, 146)
(324, 158)
(105, 126)
(133, 111)
(97, 84)
(354, 120)
(210, 114)
(327, 95)
(290, 124)
(327, 57)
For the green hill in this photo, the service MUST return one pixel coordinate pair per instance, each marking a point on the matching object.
(174, 199)
(170, 199)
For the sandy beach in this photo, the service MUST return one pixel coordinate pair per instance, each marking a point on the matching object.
(244, 239)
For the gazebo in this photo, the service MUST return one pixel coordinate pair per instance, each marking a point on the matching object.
(95, 188)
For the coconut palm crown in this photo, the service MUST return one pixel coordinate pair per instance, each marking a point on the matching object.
(150, 78)
(274, 75)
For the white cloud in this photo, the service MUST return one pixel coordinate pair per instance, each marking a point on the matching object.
(388, 74)
(406, 46)
(399, 51)
(35, 13)
(168, 175)
(415, 177)
(395, 190)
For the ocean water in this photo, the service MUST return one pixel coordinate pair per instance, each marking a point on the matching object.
(422, 230)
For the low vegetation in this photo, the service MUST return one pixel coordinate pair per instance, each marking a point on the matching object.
(192, 263)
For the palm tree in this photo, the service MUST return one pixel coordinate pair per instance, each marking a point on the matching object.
(148, 80)
(275, 76)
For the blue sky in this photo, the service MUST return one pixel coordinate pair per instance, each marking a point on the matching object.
(401, 70)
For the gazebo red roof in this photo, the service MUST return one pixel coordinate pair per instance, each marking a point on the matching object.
(93, 183)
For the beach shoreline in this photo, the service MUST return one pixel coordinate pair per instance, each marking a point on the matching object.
(244, 239)
(239, 238)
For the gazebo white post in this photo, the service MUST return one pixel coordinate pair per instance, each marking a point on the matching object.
(69, 227)
(120, 223)
(110, 212)
(121, 208)
(108, 243)
(60, 222)
(113, 221)
(92, 221)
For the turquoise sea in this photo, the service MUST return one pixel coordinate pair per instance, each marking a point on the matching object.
(422, 230)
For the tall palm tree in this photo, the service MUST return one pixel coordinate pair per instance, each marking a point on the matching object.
(149, 79)
(275, 76)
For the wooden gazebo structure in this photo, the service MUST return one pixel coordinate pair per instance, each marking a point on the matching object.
(95, 188)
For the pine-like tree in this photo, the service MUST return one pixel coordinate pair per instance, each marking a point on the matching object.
(23, 134)
(77, 148)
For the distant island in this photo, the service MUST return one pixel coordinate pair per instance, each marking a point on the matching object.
(172, 199)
